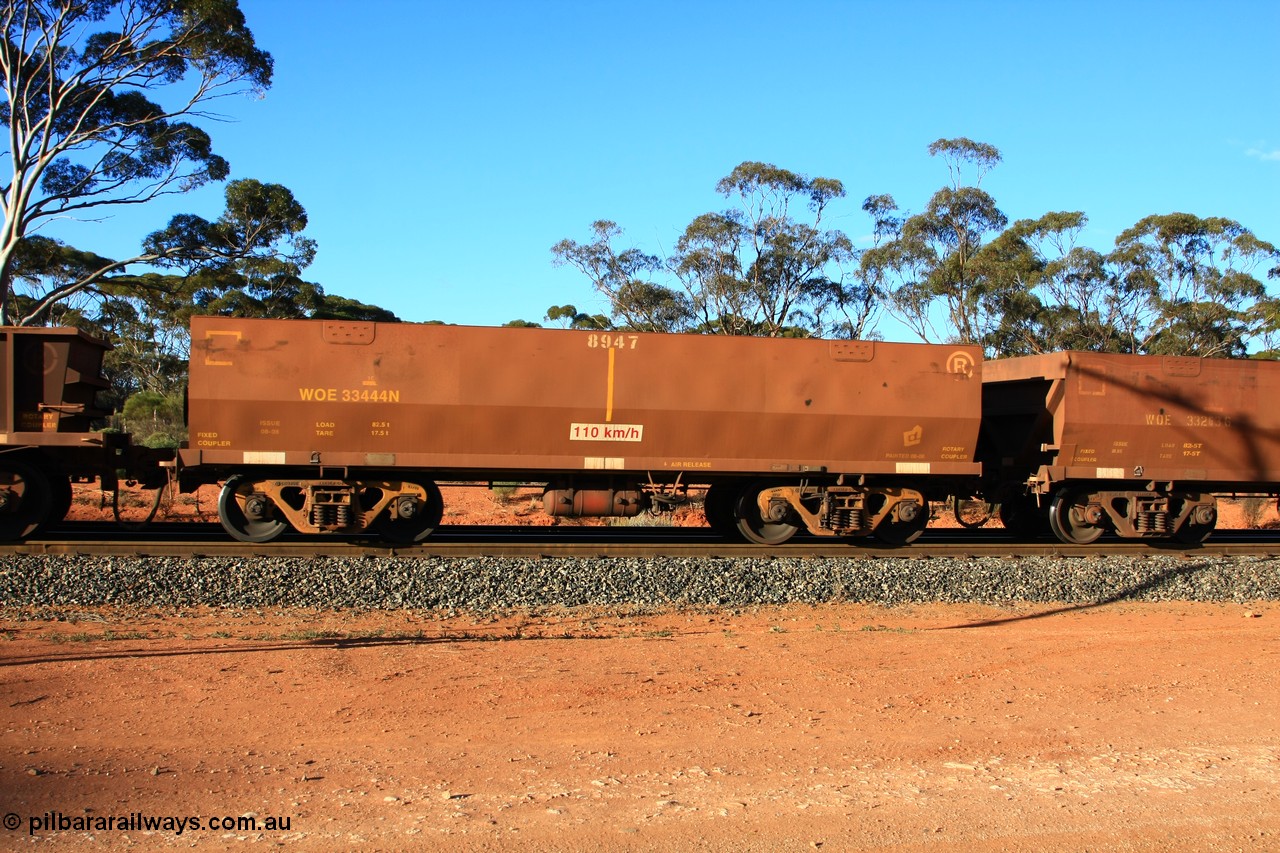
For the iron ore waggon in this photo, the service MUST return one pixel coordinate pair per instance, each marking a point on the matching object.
(1086, 442)
(325, 426)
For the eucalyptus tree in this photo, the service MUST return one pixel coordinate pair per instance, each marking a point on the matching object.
(333, 307)
(144, 317)
(1051, 293)
(569, 317)
(1264, 318)
(765, 266)
(927, 266)
(99, 99)
(247, 262)
(625, 278)
(1195, 282)
(758, 268)
(38, 260)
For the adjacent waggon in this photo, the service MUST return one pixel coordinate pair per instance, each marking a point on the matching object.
(1086, 442)
(349, 427)
(49, 380)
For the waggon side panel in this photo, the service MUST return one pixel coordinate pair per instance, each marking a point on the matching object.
(476, 399)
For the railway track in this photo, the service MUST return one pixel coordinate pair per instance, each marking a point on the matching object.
(195, 539)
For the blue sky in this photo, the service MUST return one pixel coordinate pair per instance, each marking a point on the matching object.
(442, 148)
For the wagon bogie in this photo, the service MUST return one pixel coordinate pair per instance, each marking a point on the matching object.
(49, 382)
(895, 514)
(26, 499)
(766, 515)
(902, 517)
(255, 509)
(718, 504)
(247, 512)
(1075, 517)
(412, 514)
(1080, 515)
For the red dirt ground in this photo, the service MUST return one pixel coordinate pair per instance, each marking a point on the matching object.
(837, 727)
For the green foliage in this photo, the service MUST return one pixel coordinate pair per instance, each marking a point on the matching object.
(1050, 293)
(961, 152)
(521, 324)
(570, 317)
(622, 277)
(1264, 320)
(503, 493)
(1194, 284)
(754, 269)
(1175, 284)
(928, 263)
(150, 406)
(156, 416)
(146, 319)
(340, 308)
(957, 271)
(758, 269)
(84, 134)
(248, 263)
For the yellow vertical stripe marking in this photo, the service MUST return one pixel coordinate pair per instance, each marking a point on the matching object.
(608, 404)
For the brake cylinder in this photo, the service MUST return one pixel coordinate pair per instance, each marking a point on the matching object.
(592, 502)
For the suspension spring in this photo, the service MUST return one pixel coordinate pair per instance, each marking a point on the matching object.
(846, 518)
(330, 515)
(1152, 522)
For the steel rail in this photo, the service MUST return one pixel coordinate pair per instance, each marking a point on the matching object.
(190, 540)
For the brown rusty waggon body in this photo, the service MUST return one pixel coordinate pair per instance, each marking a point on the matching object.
(328, 425)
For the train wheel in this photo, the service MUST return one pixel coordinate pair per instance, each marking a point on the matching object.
(1193, 534)
(408, 521)
(903, 531)
(718, 505)
(251, 521)
(1199, 525)
(972, 512)
(26, 498)
(59, 501)
(1067, 522)
(755, 529)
